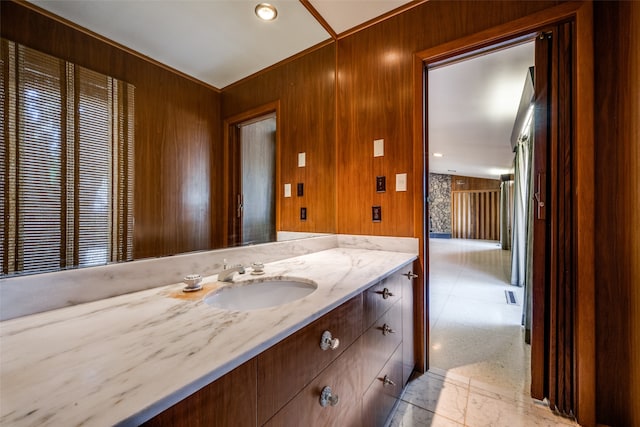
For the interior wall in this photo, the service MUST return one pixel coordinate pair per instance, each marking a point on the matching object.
(177, 133)
(305, 88)
(375, 101)
(617, 109)
(440, 203)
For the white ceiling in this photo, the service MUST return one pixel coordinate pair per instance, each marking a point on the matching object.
(472, 110)
(472, 103)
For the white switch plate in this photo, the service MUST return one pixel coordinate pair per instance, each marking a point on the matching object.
(287, 190)
(302, 160)
(401, 182)
(378, 148)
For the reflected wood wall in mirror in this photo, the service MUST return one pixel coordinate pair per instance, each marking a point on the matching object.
(305, 89)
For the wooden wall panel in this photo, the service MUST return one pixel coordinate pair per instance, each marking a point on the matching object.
(375, 100)
(462, 183)
(305, 88)
(177, 134)
(617, 94)
(475, 214)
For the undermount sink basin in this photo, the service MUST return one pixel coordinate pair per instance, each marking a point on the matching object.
(260, 293)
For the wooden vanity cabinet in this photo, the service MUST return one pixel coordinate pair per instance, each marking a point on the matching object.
(282, 386)
(287, 367)
(228, 401)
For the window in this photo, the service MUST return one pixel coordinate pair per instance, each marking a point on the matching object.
(66, 157)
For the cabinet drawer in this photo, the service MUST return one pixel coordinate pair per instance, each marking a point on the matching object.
(344, 376)
(379, 399)
(377, 300)
(378, 345)
(287, 367)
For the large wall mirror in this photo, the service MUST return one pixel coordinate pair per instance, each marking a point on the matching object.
(132, 163)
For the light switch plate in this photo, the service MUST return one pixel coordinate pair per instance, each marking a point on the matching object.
(300, 189)
(376, 213)
(378, 148)
(302, 160)
(381, 184)
(303, 214)
(287, 190)
(401, 182)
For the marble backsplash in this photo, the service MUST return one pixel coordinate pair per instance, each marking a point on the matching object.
(24, 295)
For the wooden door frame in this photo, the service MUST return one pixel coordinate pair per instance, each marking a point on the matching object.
(581, 13)
(231, 183)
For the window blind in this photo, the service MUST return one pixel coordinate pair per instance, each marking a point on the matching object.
(67, 150)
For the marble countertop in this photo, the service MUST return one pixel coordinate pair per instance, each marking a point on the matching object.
(125, 359)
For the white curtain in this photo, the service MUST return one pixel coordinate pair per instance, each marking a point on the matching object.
(521, 209)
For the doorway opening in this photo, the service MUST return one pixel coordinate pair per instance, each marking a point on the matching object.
(252, 147)
(477, 246)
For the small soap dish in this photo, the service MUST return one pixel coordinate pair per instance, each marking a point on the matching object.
(257, 273)
(192, 288)
(258, 268)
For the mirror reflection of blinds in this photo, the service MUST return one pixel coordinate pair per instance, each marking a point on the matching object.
(67, 163)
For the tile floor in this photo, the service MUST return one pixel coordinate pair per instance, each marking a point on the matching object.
(479, 364)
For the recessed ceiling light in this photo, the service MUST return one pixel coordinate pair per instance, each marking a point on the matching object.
(266, 12)
(437, 155)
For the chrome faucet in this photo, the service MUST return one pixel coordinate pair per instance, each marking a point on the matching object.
(226, 275)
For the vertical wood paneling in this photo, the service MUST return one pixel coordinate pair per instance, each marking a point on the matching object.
(375, 100)
(177, 134)
(617, 193)
(306, 91)
(475, 215)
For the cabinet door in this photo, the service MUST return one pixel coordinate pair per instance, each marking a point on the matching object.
(383, 392)
(344, 376)
(228, 401)
(284, 369)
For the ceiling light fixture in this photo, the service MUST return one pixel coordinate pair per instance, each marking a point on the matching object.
(266, 12)
(438, 155)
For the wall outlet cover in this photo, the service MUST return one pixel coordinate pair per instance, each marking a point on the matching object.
(381, 184)
(300, 189)
(378, 148)
(303, 214)
(376, 213)
(401, 182)
(287, 190)
(302, 160)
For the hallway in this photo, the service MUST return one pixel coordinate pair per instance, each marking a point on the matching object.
(479, 363)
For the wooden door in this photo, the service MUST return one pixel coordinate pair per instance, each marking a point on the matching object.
(553, 344)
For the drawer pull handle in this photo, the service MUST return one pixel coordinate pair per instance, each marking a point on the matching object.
(328, 342)
(410, 275)
(386, 330)
(385, 293)
(387, 381)
(327, 398)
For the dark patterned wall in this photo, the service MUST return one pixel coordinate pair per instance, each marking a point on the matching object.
(440, 203)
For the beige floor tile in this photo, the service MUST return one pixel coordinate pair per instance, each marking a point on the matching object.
(408, 415)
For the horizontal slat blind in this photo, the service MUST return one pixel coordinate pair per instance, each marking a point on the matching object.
(93, 154)
(67, 164)
(40, 85)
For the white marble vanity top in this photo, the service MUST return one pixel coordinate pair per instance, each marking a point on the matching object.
(125, 359)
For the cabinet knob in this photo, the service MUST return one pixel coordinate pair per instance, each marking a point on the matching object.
(327, 398)
(387, 381)
(385, 293)
(386, 330)
(328, 342)
(410, 275)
